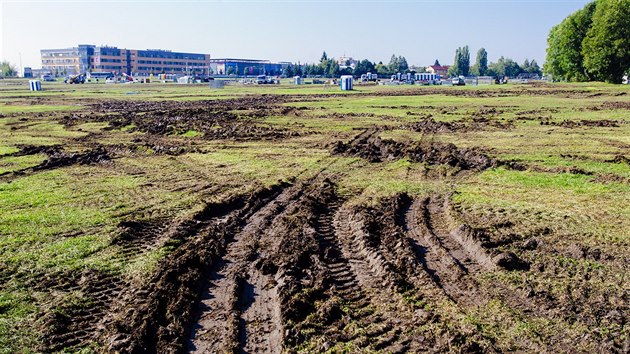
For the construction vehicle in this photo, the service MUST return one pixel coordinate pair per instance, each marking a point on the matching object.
(75, 79)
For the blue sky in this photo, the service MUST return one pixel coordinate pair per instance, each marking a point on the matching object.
(420, 30)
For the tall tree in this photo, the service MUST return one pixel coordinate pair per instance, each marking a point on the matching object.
(464, 64)
(324, 57)
(437, 63)
(393, 64)
(461, 65)
(606, 47)
(454, 69)
(565, 59)
(481, 64)
(403, 67)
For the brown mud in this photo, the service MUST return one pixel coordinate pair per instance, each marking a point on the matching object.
(370, 146)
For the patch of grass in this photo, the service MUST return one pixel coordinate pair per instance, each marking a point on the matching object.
(17, 309)
(8, 109)
(5, 150)
(192, 134)
(16, 163)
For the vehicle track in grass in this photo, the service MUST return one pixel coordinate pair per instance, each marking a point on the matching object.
(237, 309)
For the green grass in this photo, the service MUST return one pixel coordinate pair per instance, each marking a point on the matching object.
(9, 109)
(17, 163)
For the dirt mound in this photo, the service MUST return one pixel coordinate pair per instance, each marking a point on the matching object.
(620, 159)
(583, 123)
(37, 149)
(369, 146)
(431, 126)
(62, 159)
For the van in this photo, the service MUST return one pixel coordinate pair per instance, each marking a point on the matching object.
(459, 81)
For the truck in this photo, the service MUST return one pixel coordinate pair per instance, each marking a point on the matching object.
(264, 79)
(75, 79)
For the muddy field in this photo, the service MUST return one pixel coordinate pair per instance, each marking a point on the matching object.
(420, 220)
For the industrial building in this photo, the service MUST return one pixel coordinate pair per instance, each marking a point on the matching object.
(87, 57)
(230, 66)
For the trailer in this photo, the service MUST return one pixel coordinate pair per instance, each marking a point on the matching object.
(427, 78)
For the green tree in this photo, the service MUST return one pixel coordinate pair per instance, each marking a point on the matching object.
(481, 64)
(7, 69)
(393, 64)
(289, 71)
(333, 69)
(606, 48)
(324, 57)
(461, 64)
(363, 67)
(565, 59)
(464, 64)
(382, 69)
(403, 67)
(504, 67)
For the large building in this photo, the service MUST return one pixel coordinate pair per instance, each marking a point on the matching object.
(86, 57)
(228, 66)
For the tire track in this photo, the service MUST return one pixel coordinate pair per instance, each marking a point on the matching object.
(239, 310)
(377, 281)
(452, 257)
(362, 279)
(444, 258)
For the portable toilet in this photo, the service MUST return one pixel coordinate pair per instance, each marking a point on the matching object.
(346, 83)
(35, 85)
(298, 80)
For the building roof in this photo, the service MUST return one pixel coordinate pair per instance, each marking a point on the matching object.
(439, 67)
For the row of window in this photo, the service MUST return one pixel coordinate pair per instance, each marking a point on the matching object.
(171, 56)
(113, 53)
(58, 54)
(60, 61)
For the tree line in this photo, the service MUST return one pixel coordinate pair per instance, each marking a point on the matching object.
(502, 67)
(329, 67)
(591, 44)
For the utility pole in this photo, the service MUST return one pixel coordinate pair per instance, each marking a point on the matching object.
(21, 68)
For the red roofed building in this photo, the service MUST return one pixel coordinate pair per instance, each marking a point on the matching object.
(438, 70)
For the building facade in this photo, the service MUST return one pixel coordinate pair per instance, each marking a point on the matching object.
(438, 70)
(230, 66)
(86, 57)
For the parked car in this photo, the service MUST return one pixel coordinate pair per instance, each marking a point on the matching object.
(48, 77)
(459, 81)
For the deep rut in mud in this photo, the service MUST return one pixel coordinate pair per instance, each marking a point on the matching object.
(239, 310)
(446, 258)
